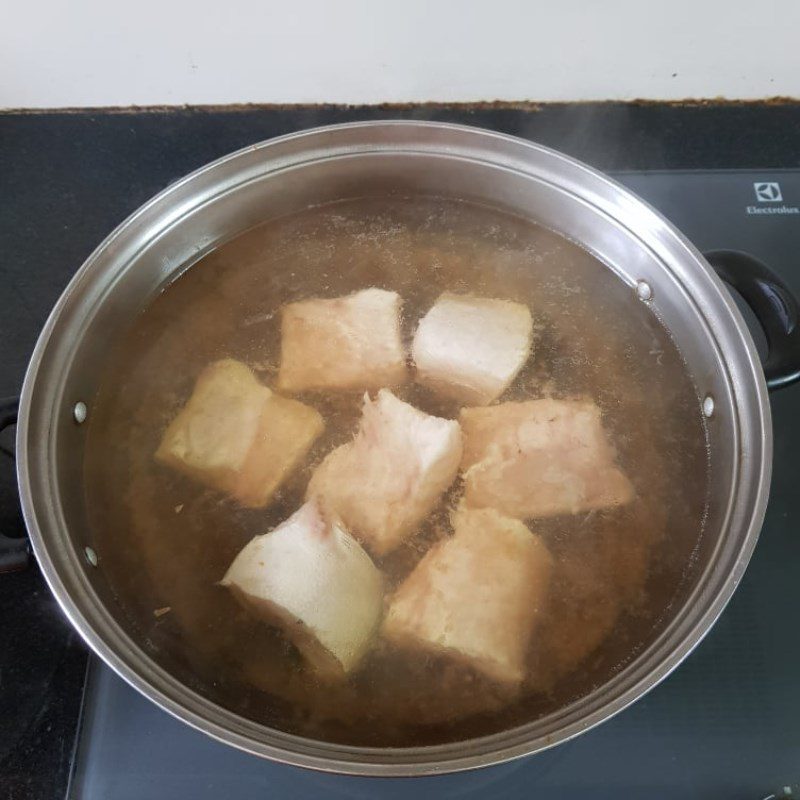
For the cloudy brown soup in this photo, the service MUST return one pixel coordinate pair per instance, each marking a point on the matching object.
(165, 540)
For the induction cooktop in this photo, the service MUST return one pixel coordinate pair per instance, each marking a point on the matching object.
(725, 724)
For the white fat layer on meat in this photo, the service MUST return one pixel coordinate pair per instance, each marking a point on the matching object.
(471, 348)
(314, 580)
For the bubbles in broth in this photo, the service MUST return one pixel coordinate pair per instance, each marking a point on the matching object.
(165, 541)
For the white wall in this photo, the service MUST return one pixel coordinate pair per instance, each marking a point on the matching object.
(59, 53)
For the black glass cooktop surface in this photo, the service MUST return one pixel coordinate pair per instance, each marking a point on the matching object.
(725, 725)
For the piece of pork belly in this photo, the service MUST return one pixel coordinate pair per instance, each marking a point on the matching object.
(540, 458)
(313, 580)
(471, 348)
(344, 343)
(389, 477)
(236, 435)
(284, 437)
(476, 595)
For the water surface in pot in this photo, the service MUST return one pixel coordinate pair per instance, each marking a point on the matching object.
(165, 542)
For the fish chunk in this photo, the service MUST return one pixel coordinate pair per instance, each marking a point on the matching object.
(312, 579)
(471, 348)
(384, 482)
(237, 436)
(347, 343)
(475, 596)
(540, 458)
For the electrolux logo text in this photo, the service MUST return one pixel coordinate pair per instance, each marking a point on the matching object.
(768, 193)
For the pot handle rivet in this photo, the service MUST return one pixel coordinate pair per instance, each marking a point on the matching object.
(644, 291)
(79, 412)
(91, 556)
(708, 406)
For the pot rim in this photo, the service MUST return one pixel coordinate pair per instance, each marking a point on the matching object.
(176, 698)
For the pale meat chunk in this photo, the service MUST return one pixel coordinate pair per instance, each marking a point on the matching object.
(313, 580)
(237, 436)
(540, 458)
(471, 348)
(475, 596)
(389, 477)
(211, 437)
(288, 429)
(345, 343)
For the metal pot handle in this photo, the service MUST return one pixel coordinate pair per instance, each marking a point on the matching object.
(14, 553)
(775, 307)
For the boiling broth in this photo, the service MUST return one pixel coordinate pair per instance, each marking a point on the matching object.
(165, 541)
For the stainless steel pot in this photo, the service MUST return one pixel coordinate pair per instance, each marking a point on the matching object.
(218, 201)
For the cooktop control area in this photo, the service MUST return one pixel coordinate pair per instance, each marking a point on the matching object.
(724, 725)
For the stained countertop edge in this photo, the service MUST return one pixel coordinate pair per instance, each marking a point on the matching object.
(526, 105)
